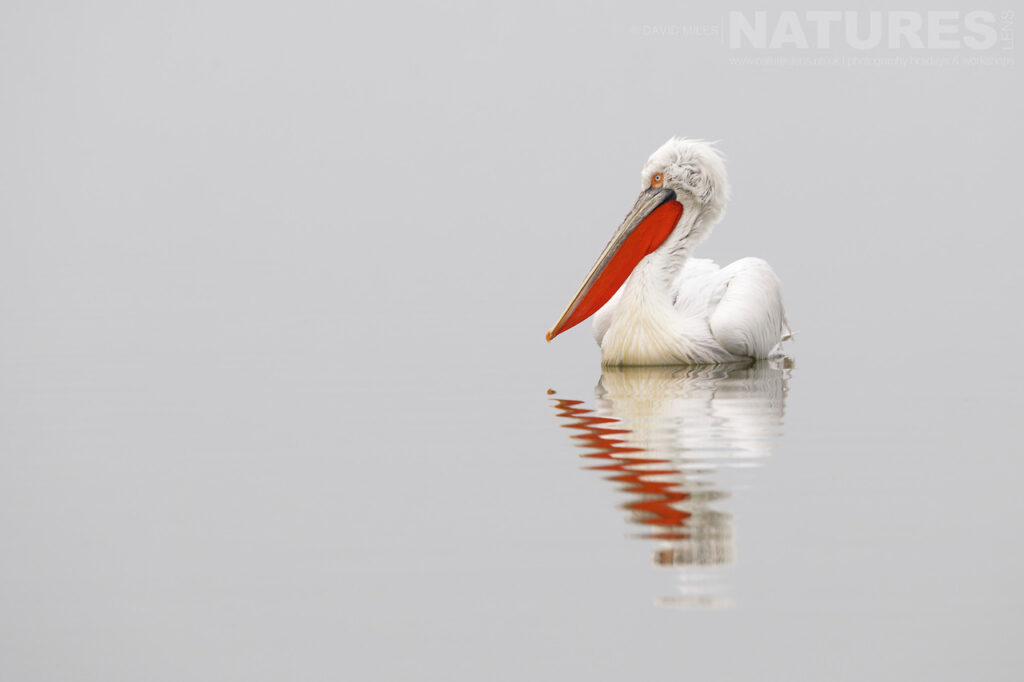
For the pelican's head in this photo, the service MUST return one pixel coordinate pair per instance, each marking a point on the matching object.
(683, 193)
(695, 172)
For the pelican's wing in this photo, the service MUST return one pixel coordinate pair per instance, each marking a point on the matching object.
(694, 285)
(744, 309)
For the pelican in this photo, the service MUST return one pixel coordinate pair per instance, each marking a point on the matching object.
(655, 305)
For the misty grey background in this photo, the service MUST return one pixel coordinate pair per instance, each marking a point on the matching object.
(273, 286)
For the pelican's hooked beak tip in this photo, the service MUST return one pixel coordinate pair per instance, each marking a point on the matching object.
(548, 336)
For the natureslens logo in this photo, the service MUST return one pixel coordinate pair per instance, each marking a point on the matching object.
(897, 30)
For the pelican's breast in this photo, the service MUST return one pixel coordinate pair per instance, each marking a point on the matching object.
(640, 336)
(650, 328)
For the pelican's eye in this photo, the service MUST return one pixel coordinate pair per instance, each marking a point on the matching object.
(657, 180)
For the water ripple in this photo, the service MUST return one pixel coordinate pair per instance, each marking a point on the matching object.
(667, 437)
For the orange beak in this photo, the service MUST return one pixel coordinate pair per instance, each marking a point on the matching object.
(647, 226)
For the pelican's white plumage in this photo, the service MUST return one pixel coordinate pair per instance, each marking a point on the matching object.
(706, 315)
(673, 309)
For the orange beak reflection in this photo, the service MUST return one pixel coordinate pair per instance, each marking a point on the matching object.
(647, 226)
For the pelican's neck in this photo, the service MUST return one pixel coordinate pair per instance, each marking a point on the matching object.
(664, 267)
(646, 329)
(658, 270)
(651, 280)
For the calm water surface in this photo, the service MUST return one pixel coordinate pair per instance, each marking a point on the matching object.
(265, 516)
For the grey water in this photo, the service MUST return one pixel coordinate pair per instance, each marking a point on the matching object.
(262, 515)
(275, 401)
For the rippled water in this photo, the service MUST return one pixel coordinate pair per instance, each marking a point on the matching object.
(678, 442)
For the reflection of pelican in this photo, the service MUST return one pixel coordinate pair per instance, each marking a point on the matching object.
(670, 309)
(665, 434)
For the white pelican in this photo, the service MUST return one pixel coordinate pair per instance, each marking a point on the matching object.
(654, 305)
